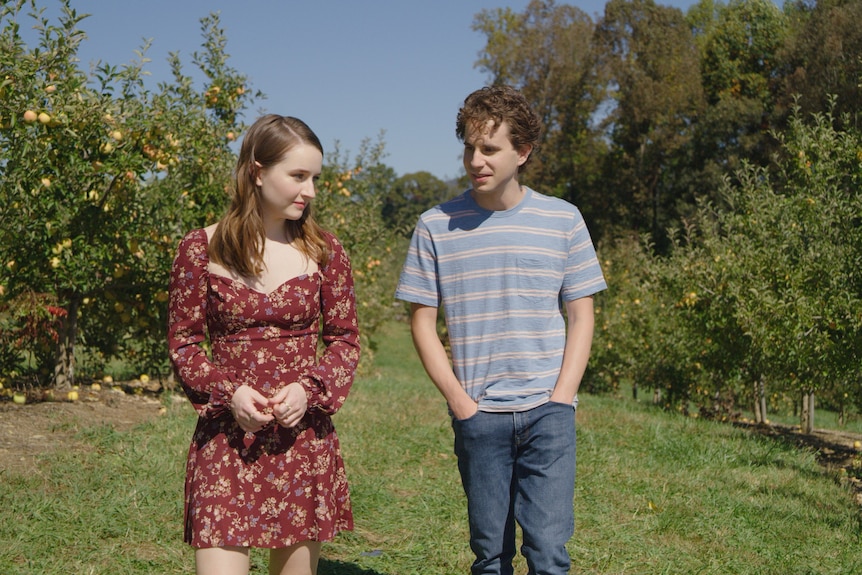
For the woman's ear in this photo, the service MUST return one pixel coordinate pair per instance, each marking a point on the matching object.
(255, 169)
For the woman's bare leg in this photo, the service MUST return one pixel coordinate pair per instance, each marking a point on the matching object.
(299, 559)
(222, 561)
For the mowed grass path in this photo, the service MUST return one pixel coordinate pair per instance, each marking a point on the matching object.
(657, 493)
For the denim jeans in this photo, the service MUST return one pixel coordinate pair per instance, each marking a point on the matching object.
(519, 467)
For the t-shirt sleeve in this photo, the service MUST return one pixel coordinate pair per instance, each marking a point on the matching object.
(418, 282)
(584, 275)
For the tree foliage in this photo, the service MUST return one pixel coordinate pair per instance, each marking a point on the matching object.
(762, 288)
(650, 55)
(409, 196)
(742, 69)
(823, 58)
(547, 52)
(99, 178)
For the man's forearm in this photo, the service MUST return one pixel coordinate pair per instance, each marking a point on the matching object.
(433, 356)
(579, 341)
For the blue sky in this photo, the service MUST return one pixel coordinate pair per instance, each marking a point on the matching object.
(349, 68)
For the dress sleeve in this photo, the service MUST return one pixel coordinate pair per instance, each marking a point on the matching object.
(329, 382)
(208, 388)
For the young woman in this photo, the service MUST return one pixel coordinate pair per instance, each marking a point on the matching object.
(259, 288)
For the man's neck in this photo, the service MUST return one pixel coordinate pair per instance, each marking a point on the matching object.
(501, 200)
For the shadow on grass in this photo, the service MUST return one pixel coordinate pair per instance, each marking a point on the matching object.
(327, 567)
(833, 449)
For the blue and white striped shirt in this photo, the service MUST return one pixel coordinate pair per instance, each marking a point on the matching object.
(501, 277)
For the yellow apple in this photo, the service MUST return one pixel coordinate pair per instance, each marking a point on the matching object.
(117, 135)
(30, 116)
(44, 118)
(857, 445)
(144, 378)
(51, 89)
(19, 398)
(96, 387)
(72, 395)
(107, 379)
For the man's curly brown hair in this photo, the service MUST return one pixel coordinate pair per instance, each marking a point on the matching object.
(501, 104)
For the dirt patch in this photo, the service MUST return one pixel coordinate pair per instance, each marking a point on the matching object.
(40, 427)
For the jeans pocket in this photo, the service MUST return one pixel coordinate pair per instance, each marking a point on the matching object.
(560, 405)
(473, 417)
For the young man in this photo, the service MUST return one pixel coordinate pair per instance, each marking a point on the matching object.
(506, 263)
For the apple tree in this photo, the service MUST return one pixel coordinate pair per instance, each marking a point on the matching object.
(99, 177)
(759, 298)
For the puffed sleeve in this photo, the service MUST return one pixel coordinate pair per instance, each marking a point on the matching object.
(208, 388)
(328, 383)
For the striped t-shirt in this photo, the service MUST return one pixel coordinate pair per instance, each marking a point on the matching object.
(501, 277)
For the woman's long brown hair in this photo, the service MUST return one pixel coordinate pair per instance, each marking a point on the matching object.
(238, 240)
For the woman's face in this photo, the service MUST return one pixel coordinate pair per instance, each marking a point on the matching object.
(287, 187)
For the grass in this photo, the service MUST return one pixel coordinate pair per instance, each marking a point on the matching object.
(657, 493)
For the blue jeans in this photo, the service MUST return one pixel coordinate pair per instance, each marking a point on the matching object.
(519, 467)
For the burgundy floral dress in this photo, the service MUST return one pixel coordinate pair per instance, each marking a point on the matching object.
(279, 486)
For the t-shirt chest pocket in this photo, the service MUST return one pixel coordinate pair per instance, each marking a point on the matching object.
(536, 277)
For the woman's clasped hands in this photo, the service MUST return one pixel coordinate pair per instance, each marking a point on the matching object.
(253, 411)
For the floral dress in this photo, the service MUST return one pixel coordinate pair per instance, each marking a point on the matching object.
(279, 486)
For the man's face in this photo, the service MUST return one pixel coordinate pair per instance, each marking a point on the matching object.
(490, 159)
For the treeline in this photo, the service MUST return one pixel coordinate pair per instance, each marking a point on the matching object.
(716, 157)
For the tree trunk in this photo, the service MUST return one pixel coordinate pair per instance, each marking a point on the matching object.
(64, 364)
(635, 391)
(806, 423)
(760, 401)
